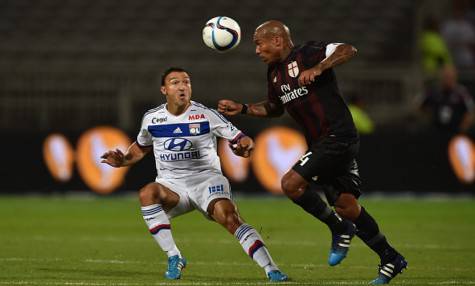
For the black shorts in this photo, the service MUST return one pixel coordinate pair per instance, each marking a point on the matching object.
(330, 166)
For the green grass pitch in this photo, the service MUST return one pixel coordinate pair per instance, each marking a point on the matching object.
(103, 241)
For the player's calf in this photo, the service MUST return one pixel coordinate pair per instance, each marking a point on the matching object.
(159, 227)
(253, 245)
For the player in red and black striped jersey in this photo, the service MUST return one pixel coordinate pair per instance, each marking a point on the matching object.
(301, 81)
(317, 107)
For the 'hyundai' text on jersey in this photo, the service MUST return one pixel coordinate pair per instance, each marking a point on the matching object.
(185, 145)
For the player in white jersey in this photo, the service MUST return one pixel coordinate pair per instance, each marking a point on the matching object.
(182, 135)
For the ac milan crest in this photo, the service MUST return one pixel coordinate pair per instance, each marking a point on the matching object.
(293, 69)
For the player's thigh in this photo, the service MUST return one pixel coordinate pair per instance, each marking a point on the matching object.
(181, 200)
(327, 158)
(210, 188)
(155, 193)
(348, 183)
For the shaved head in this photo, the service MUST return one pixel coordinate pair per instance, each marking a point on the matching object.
(273, 42)
(273, 28)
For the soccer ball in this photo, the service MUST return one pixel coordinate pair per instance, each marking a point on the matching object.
(222, 34)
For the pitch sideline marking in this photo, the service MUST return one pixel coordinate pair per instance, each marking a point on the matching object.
(230, 241)
(250, 264)
(72, 283)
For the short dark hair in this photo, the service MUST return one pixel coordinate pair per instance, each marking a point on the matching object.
(170, 70)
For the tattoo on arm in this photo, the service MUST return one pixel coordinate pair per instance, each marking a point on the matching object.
(342, 53)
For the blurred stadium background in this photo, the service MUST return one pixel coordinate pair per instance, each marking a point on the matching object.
(67, 66)
(76, 77)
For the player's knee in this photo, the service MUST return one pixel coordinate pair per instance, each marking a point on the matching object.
(291, 187)
(148, 195)
(287, 185)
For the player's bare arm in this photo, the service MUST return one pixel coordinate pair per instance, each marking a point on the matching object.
(117, 158)
(342, 53)
(260, 109)
(243, 147)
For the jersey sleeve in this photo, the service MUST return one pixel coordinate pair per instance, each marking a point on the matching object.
(313, 53)
(144, 138)
(330, 49)
(221, 127)
(316, 52)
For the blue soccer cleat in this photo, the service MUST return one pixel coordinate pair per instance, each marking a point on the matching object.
(277, 276)
(390, 270)
(175, 265)
(341, 244)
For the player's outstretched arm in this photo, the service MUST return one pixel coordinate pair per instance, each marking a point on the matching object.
(229, 107)
(260, 109)
(117, 159)
(243, 147)
(342, 53)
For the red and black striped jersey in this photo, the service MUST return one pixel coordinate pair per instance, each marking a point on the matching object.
(318, 107)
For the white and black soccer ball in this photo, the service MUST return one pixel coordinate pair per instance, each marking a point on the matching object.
(222, 34)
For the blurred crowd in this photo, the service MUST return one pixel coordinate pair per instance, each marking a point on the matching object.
(447, 50)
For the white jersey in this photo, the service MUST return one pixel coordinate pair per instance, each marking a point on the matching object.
(185, 145)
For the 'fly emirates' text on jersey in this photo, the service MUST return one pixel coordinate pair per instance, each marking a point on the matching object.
(185, 145)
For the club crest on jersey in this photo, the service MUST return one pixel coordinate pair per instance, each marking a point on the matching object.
(194, 129)
(293, 69)
(196, 116)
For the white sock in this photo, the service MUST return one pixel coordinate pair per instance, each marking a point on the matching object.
(159, 226)
(253, 245)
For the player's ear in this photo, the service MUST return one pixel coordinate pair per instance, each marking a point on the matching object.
(163, 90)
(277, 41)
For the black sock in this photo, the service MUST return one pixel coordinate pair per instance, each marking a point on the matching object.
(368, 231)
(312, 203)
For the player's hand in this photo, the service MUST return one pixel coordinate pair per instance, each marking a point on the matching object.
(308, 76)
(114, 158)
(243, 147)
(229, 107)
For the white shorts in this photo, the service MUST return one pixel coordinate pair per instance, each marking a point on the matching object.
(197, 192)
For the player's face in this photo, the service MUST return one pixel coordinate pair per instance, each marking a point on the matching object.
(266, 48)
(177, 88)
